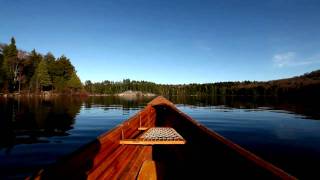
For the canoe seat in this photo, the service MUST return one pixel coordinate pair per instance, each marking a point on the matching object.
(157, 135)
(148, 171)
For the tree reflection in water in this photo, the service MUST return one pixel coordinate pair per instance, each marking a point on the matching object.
(28, 120)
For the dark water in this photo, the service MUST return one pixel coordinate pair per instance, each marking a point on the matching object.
(35, 132)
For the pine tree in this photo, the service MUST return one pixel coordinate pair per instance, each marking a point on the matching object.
(31, 65)
(41, 76)
(51, 66)
(10, 63)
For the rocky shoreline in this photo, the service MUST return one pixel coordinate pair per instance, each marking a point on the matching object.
(128, 94)
(135, 93)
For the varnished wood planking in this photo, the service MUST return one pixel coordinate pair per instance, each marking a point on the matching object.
(119, 163)
(98, 170)
(148, 171)
(132, 169)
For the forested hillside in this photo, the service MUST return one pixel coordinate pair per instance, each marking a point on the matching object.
(305, 85)
(22, 71)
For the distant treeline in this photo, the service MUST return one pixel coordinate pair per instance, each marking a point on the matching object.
(307, 84)
(34, 72)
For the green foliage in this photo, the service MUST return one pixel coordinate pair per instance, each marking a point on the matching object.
(11, 51)
(41, 75)
(51, 62)
(49, 58)
(30, 65)
(60, 72)
(64, 67)
(34, 71)
(10, 64)
(74, 82)
(60, 84)
(1, 71)
(5, 69)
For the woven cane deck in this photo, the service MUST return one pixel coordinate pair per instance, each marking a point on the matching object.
(157, 135)
(161, 134)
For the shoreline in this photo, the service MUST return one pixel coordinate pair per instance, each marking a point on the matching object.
(40, 94)
(127, 94)
(54, 94)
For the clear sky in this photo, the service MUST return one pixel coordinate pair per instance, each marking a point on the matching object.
(170, 41)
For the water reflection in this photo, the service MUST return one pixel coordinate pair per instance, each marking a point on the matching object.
(25, 120)
(114, 100)
(307, 107)
(42, 130)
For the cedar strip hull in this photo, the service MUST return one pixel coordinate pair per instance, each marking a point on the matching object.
(205, 155)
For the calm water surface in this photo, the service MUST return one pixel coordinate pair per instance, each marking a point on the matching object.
(35, 132)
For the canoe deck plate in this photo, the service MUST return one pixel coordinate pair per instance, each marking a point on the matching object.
(157, 135)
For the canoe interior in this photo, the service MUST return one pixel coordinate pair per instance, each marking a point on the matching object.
(203, 156)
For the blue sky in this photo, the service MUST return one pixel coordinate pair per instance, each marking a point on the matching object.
(170, 41)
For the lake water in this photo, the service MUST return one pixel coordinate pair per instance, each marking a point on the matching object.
(35, 132)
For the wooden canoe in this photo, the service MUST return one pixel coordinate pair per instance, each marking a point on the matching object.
(204, 155)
